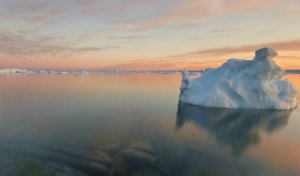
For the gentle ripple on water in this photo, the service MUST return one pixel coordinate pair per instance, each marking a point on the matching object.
(133, 125)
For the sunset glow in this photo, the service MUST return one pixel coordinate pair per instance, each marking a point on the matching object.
(145, 34)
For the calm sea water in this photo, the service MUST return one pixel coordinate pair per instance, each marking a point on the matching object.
(126, 124)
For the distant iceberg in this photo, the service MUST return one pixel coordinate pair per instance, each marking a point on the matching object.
(238, 83)
(82, 73)
(12, 71)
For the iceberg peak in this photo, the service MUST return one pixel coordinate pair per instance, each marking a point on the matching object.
(239, 83)
(264, 53)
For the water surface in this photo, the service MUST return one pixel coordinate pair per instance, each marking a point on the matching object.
(132, 124)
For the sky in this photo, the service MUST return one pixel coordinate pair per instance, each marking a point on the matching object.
(145, 34)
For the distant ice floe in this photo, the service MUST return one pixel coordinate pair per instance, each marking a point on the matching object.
(62, 72)
(81, 73)
(238, 83)
(84, 72)
(12, 71)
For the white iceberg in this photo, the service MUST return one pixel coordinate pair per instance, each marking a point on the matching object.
(12, 71)
(238, 83)
(81, 73)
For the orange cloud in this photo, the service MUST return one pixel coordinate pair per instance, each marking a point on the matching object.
(279, 46)
(288, 58)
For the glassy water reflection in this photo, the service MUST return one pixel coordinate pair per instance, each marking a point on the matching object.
(124, 125)
(237, 128)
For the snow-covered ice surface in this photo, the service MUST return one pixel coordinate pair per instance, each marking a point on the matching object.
(238, 83)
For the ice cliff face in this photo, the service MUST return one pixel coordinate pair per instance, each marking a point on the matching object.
(247, 84)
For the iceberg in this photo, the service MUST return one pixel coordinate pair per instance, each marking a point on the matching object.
(12, 71)
(243, 84)
(82, 73)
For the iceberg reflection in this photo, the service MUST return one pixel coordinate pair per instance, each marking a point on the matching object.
(235, 127)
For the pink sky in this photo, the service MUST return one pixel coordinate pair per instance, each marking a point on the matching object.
(145, 34)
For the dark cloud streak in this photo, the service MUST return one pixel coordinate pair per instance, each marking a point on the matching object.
(88, 49)
(28, 45)
(279, 46)
(231, 29)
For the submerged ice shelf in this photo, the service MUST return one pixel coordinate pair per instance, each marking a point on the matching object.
(238, 83)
